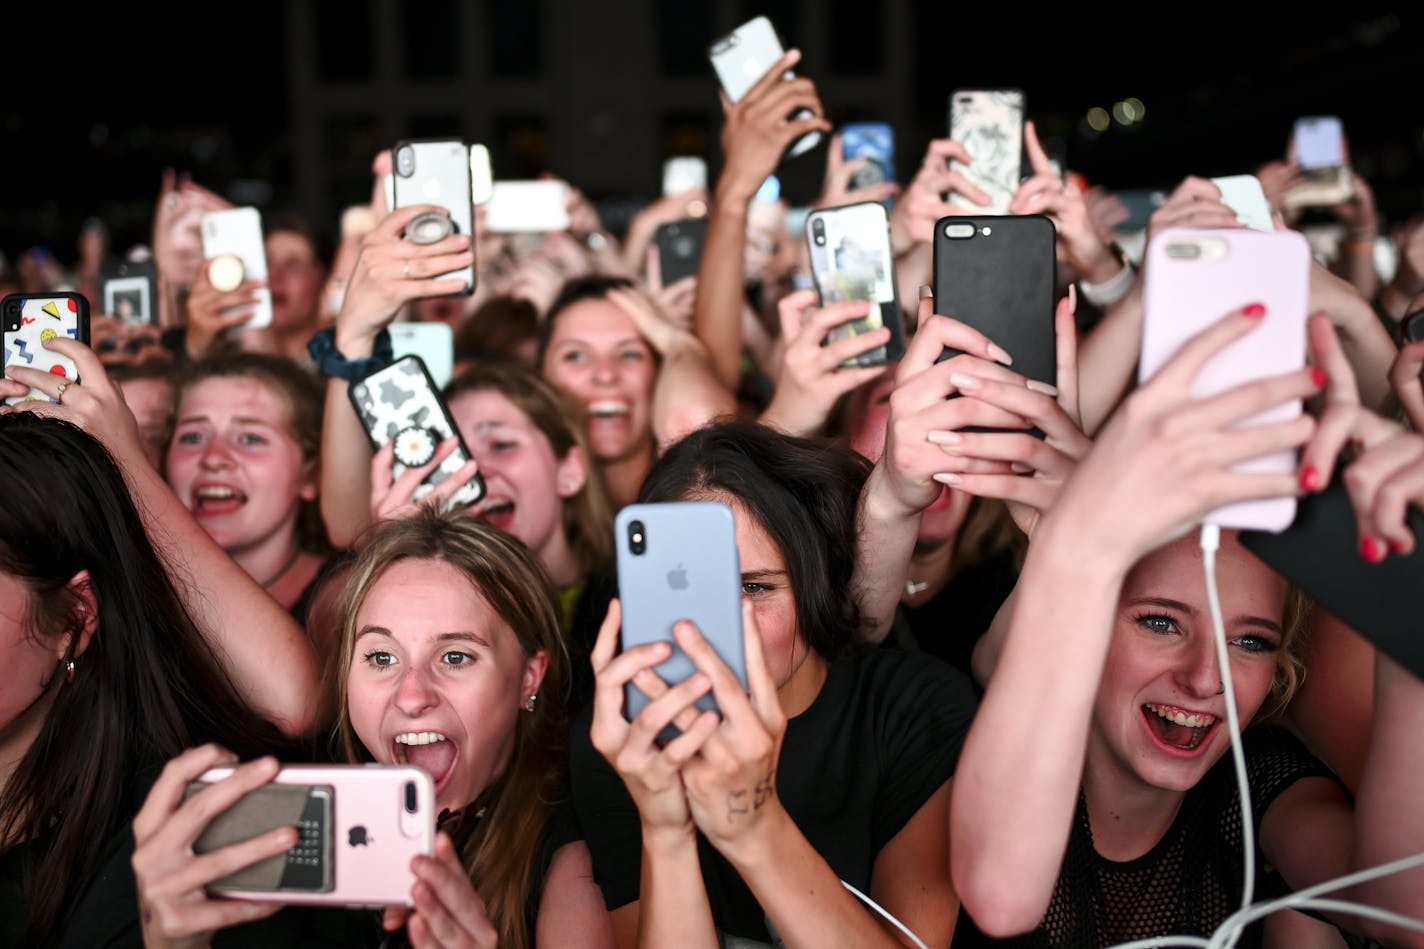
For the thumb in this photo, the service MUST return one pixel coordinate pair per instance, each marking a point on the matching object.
(791, 312)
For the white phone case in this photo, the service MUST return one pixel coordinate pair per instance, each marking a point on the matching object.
(238, 232)
(359, 827)
(745, 55)
(678, 560)
(989, 124)
(1194, 276)
(438, 171)
(852, 259)
(528, 207)
(1244, 195)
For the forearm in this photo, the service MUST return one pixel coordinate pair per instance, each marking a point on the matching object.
(1369, 348)
(345, 468)
(1021, 768)
(803, 897)
(265, 652)
(1355, 263)
(688, 394)
(885, 541)
(986, 651)
(672, 902)
(1107, 361)
(721, 276)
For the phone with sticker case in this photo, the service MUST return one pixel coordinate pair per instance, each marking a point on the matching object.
(402, 404)
(233, 243)
(874, 142)
(32, 318)
(989, 124)
(678, 560)
(743, 57)
(358, 828)
(852, 259)
(438, 172)
(1194, 276)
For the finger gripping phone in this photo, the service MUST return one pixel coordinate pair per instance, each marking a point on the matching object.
(678, 560)
(401, 403)
(32, 318)
(237, 233)
(439, 172)
(358, 828)
(852, 259)
(743, 57)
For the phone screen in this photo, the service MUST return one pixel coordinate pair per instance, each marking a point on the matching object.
(1319, 142)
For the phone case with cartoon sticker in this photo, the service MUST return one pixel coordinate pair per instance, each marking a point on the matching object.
(401, 403)
(358, 828)
(32, 318)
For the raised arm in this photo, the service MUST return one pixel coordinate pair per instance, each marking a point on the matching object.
(264, 650)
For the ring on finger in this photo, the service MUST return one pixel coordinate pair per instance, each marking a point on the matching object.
(59, 397)
(406, 270)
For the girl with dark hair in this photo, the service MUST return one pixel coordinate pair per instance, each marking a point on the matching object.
(835, 769)
(109, 673)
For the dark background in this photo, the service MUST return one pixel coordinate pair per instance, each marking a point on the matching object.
(99, 101)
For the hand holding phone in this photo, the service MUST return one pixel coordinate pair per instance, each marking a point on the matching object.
(235, 252)
(989, 124)
(852, 260)
(438, 172)
(1317, 147)
(749, 62)
(29, 319)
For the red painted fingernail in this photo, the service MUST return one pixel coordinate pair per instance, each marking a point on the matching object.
(1396, 547)
(1318, 376)
(1255, 310)
(1371, 550)
(1310, 478)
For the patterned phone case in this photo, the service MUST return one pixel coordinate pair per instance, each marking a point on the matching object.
(401, 402)
(32, 318)
(852, 259)
(989, 124)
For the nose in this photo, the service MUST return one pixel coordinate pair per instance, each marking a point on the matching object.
(216, 453)
(605, 369)
(415, 693)
(1199, 675)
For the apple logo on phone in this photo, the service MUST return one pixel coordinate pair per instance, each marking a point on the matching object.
(356, 836)
(752, 68)
(677, 578)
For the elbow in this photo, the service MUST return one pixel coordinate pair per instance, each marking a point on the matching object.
(999, 906)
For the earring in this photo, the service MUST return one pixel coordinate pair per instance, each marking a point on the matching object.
(529, 702)
(69, 672)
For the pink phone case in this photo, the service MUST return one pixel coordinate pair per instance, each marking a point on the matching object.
(359, 825)
(1192, 277)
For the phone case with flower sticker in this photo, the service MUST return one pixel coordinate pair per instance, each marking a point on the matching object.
(401, 403)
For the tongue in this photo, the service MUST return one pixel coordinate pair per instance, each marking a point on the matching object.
(1183, 736)
(435, 757)
(218, 506)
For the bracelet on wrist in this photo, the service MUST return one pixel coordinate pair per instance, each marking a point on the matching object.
(333, 364)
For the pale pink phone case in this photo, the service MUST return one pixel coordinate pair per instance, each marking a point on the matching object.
(380, 817)
(1194, 276)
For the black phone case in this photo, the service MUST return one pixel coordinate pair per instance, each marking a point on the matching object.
(1002, 283)
(1411, 328)
(679, 245)
(1320, 553)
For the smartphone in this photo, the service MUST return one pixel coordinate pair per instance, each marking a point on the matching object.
(434, 343)
(481, 175)
(1244, 195)
(1194, 276)
(989, 124)
(678, 560)
(852, 259)
(684, 173)
(129, 291)
(1411, 328)
(358, 825)
(401, 403)
(999, 275)
(1320, 553)
(743, 57)
(237, 232)
(437, 171)
(1319, 146)
(32, 318)
(875, 142)
(679, 245)
(528, 207)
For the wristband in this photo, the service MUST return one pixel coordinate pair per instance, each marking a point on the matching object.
(1105, 294)
(331, 363)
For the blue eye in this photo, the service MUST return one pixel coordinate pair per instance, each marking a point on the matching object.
(1255, 644)
(1156, 623)
(188, 438)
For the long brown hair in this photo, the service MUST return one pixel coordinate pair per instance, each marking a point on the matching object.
(500, 852)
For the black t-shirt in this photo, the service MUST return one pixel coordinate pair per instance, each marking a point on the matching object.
(105, 916)
(950, 623)
(1187, 884)
(881, 737)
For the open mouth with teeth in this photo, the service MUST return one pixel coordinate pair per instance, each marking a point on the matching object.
(430, 751)
(1178, 728)
(498, 512)
(215, 500)
(606, 409)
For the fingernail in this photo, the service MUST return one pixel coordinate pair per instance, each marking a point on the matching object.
(1372, 550)
(944, 438)
(963, 382)
(1255, 310)
(926, 291)
(1318, 376)
(1020, 468)
(1043, 387)
(1397, 547)
(946, 477)
(997, 353)
(1310, 478)
(1073, 298)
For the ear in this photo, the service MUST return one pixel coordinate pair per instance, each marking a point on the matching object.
(534, 668)
(571, 474)
(87, 610)
(311, 483)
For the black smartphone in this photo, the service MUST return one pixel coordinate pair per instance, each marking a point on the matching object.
(999, 275)
(129, 290)
(1411, 328)
(679, 245)
(1320, 553)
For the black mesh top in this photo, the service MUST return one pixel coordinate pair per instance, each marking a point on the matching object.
(1187, 884)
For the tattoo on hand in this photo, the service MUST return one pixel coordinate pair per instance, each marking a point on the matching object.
(737, 805)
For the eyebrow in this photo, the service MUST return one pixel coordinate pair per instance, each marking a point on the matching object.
(456, 636)
(1171, 604)
(241, 419)
(762, 574)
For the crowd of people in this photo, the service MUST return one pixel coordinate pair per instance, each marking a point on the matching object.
(984, 694)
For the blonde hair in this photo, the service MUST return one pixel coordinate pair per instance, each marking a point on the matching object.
(500, 853)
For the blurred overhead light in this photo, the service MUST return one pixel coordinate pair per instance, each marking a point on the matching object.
(1098, 119)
